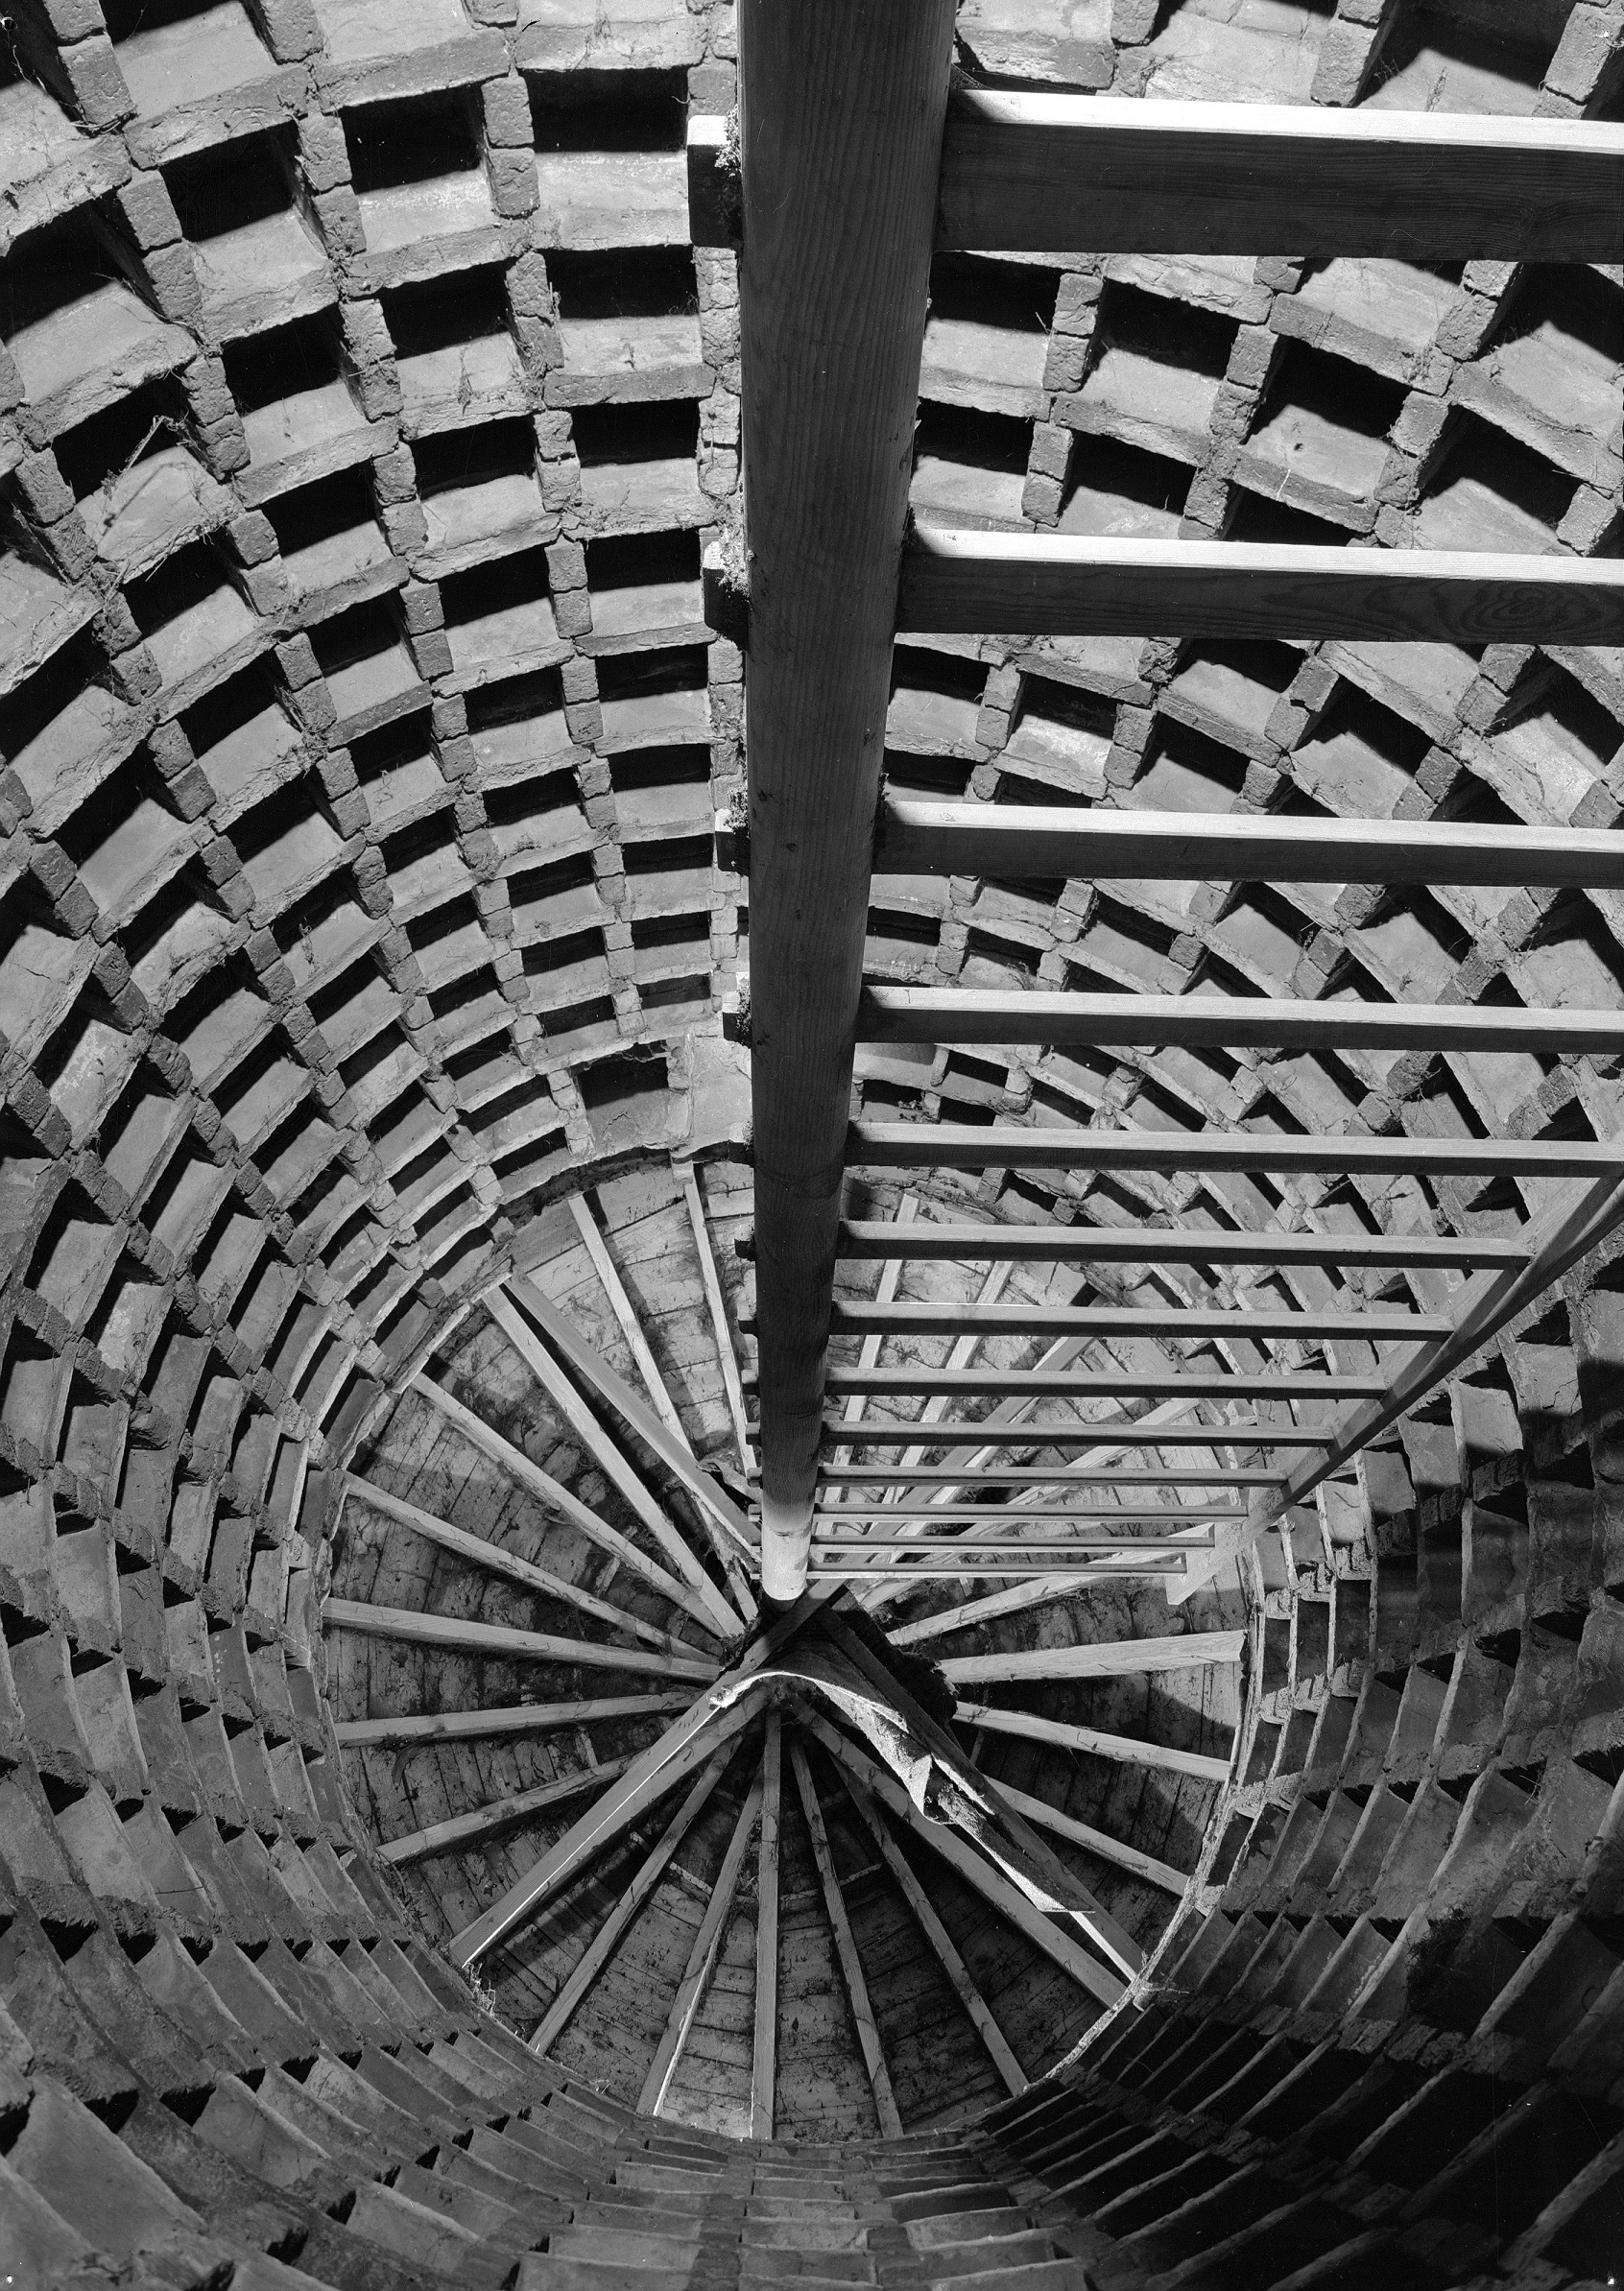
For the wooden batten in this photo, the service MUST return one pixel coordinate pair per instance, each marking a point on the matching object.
(1082, 1244)
(846, 1948)
(413, 1627)
(962, 1145)
(1104, 1658)
(1123, 1749)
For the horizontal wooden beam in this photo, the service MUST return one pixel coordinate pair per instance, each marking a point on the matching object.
(1007, 1565)
(1054, 584)
(967, 1145)
(1047, 173)
(1072, 1384)
(1002, 1523)
(1062, 1477)
(497, 1640)
(1122, 1431)
(1124, 1750)
(1104, 1658)
(1019, 842)
(502, 1718)
(499, 1814)
(1172, 1323)
(1223, 1021)
(861, 1238)
(494, 1558)
(1143, 1866)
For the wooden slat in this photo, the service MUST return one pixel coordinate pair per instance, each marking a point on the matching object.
(1018, 842)
(1221, 1021)
(846, 1949)
(702, 1959)
(1006, 1565)
(890, 1277)
(1104, 1658)
(967, 1145)
(1054, 584)
(1046, 172)
(498, 1814)
(1004, 1522)
(606, 1939)
(1124, 1431)
(948, 1476)
(1048, 1935)
(1143, 1866)
(716, 1305)
(502, 1718)
(630, 1327)
(1075, 1384)
(410, 1625)
(695, 1592)
(763, 2080)
(557, 1497)
(958, 1973)
(493, 1560)
(841, 109)
(1123, 1749)
(725, 1523)
(1171, 1322)
(1178, 1244)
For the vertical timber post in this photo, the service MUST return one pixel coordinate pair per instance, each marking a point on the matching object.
(842, 104)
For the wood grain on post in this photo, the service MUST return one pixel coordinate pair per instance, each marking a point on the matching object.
(842, 107)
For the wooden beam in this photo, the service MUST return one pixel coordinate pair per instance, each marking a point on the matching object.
(1144, 1866)
(496, 1641)
(630, 1327)
(1006, 1565)
(698, 1594)
(606, 1939)
(725, 1523)
(1171, 1323)
(890, 1278)
(1071, 1384)
(1187, 1245)
(1065, 1476)
(494, 1560)
(1017, 841)
(1055, 584)
(1045, 173)
(558, 1498)
(841, 110)
(1222, 1021)
(702, 1959)
(763, 2080)
(846, 1949)
(502, 1718)
(715, 1304)
(961, 1856)
(1123, 1749)
(959, 1977)
(1123, 1431)
(1106, 1659)
(498, 1814)
(1018, 1526)
(967, 1145)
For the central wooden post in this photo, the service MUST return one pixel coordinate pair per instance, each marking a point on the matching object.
(842, 108)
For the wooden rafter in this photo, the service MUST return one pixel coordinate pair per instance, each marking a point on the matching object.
(1100, 1842)
(1122, 1431)
(1173, 1321)
(497, 1814)
(1118, 1384)
(763, 2080)
(716, 1305)
(1104, 1658)
(950, 1477)
(500, 1718)
(846, 1949)
(496, 1641)
(1190, 1245)
(701, 1959)
(630, 1327)
(958, 1977)
(966, 1145)
(607, 1937)
(1123, 1749)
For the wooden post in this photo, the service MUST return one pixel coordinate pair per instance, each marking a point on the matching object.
(841, 110)
(763, 2086)
(846, 1949)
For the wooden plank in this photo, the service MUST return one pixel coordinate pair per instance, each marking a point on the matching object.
(1074, 1384)
(502, 1718)
(948, 1476)
(1143, 1866)
(959, 1977)
(1123, 1749)
(630, 1327)
(846, 1949)
(726, 1525)
(1186, 1245)
(493, 1560)
(1055, 584)
(713, 1718)
(1018, 840)
(890, 1279)
(840, 109)
(967, 1145)
(1106, 1659)
(1172, 1322)
(606, 1939)
(1046, 172)
(1020, 1527)
(1123, 1431)
(409, 1624)
(498, 1814)
(763, 2081)
(701, 1959)
(1049, 1936)
(716, 1304)
(699, 1597)
(1006, 1565)
(1222, 1021)
(558, 1498)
